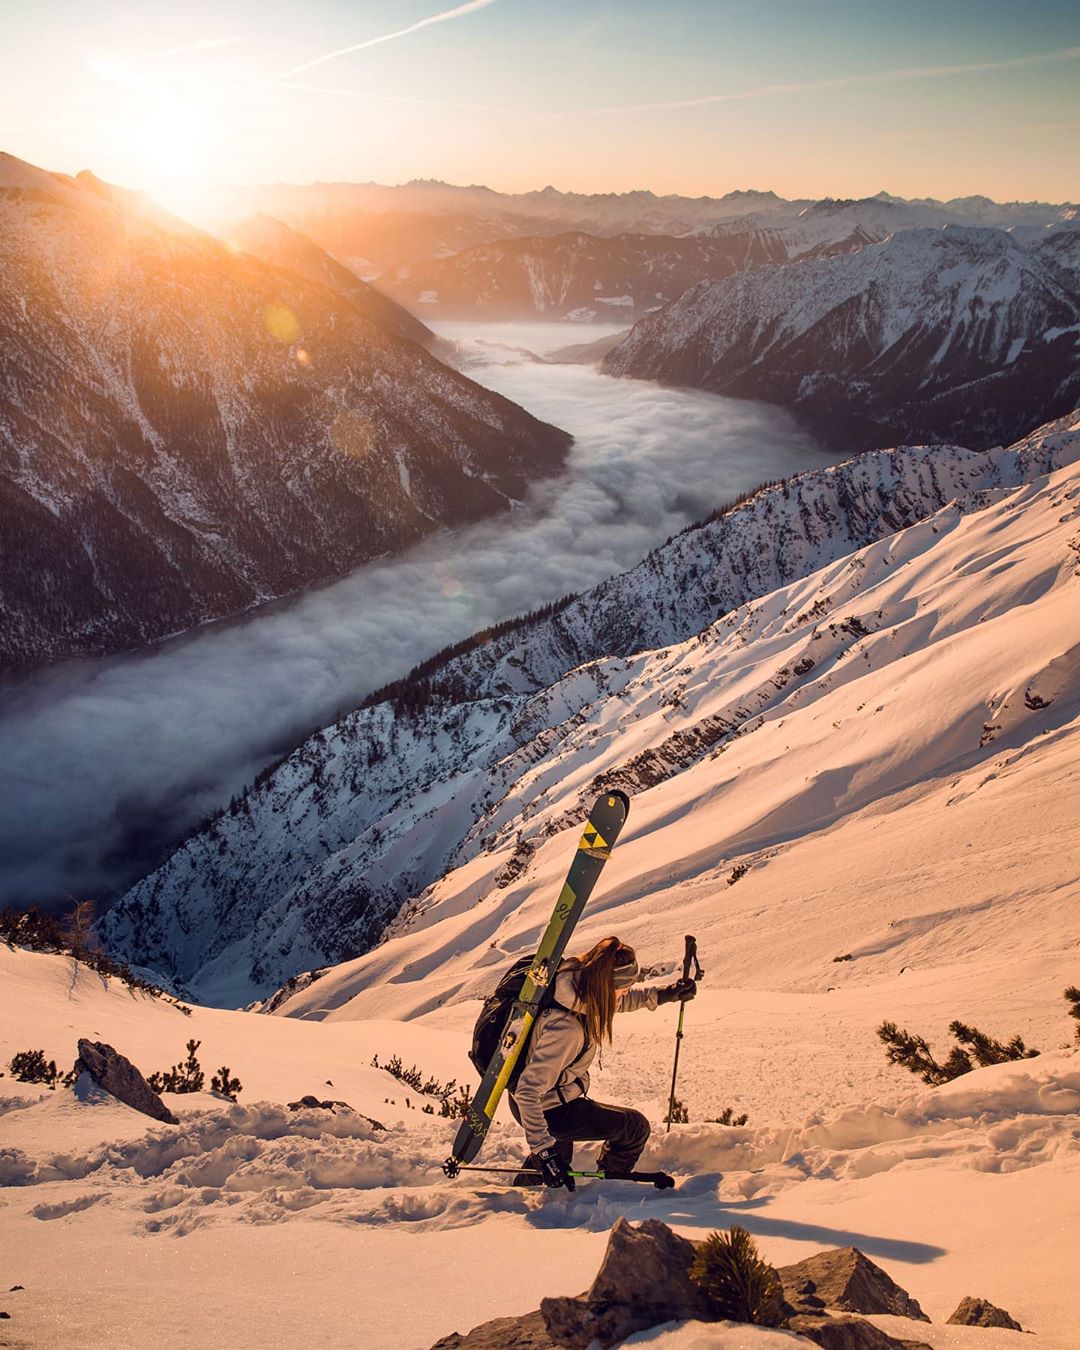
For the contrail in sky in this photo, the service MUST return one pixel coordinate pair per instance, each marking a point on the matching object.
(845, 81)
(444, 17)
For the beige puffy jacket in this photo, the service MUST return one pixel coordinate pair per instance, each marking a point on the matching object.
(559, 1054)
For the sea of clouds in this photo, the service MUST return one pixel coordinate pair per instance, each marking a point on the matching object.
(108, 762)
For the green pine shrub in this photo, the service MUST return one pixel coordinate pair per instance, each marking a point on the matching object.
(740, 1286)
(224, 1084)
(974, 1050)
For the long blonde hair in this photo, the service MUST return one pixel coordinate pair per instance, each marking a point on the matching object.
(594, 984)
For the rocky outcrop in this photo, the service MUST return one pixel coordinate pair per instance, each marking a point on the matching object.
(644, 1279)
(980, 1312)
(845, 1279)
(312, 1103)
(115, 1074)
(502, 1333)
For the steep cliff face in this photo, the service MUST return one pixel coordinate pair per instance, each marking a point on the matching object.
(186, 431)
(932, 334)
(311, 865)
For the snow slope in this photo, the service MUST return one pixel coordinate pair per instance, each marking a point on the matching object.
(877, 761)
(933, 333)
(249, 1225)
(471, 763)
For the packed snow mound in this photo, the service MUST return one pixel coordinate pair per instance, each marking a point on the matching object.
(311, 864)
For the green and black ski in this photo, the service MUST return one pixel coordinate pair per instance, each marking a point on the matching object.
(602, 828)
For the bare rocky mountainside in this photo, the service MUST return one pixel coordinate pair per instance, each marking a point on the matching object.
(186, 430)
(932, 334)
(466, 762)
(588, 276)
(581, 277)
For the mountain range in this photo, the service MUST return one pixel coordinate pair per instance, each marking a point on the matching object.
(936, 334)
(187, 430)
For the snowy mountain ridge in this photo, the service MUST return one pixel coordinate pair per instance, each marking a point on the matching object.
(467, 764)
(932, 333)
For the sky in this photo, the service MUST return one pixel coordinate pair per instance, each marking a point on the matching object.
(806, 97)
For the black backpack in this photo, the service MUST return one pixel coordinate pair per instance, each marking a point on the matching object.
(493, 1018)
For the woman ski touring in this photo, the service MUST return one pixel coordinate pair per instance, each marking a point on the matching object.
(550, 1099)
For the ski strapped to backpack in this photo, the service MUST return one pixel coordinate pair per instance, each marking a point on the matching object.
(602, 828)
(495, 1013)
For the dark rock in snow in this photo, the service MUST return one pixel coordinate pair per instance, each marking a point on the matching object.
(980, 1312)
(502, 1333)
(846, 1279)
(116, 1075)
(644, 1279)
(848, 1333)
(313, 1103)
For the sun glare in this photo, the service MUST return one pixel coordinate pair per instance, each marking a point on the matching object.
(164, 141)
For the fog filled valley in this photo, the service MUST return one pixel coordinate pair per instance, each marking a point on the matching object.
(358, 547)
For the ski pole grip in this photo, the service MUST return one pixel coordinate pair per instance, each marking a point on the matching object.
(689, 956)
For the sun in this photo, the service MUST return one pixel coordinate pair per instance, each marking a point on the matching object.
(163, 140)
(168, 149)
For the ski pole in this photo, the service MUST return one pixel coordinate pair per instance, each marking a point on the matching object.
(660, 1180)
(689, 959)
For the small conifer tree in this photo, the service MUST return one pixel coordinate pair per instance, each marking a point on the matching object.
(740, 1286)
(224, 1083)
(678, 1113)
(1072, 997)
(728, 1117)
(975, 1049)
(185, 1077)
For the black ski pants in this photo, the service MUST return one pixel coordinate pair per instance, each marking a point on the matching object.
(624, 1131)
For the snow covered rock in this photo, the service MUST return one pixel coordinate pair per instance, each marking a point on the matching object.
(115, 1074)
(931, 334)
(846, 1279)
(980, 1312)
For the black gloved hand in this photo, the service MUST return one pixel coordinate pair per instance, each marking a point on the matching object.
(552, 1168)
(682, 991)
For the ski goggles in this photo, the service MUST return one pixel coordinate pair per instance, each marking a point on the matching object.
(626, 968)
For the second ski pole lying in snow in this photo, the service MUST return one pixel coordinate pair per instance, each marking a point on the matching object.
(661, 1180)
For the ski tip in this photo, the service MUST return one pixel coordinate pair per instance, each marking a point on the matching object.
(622, 797)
